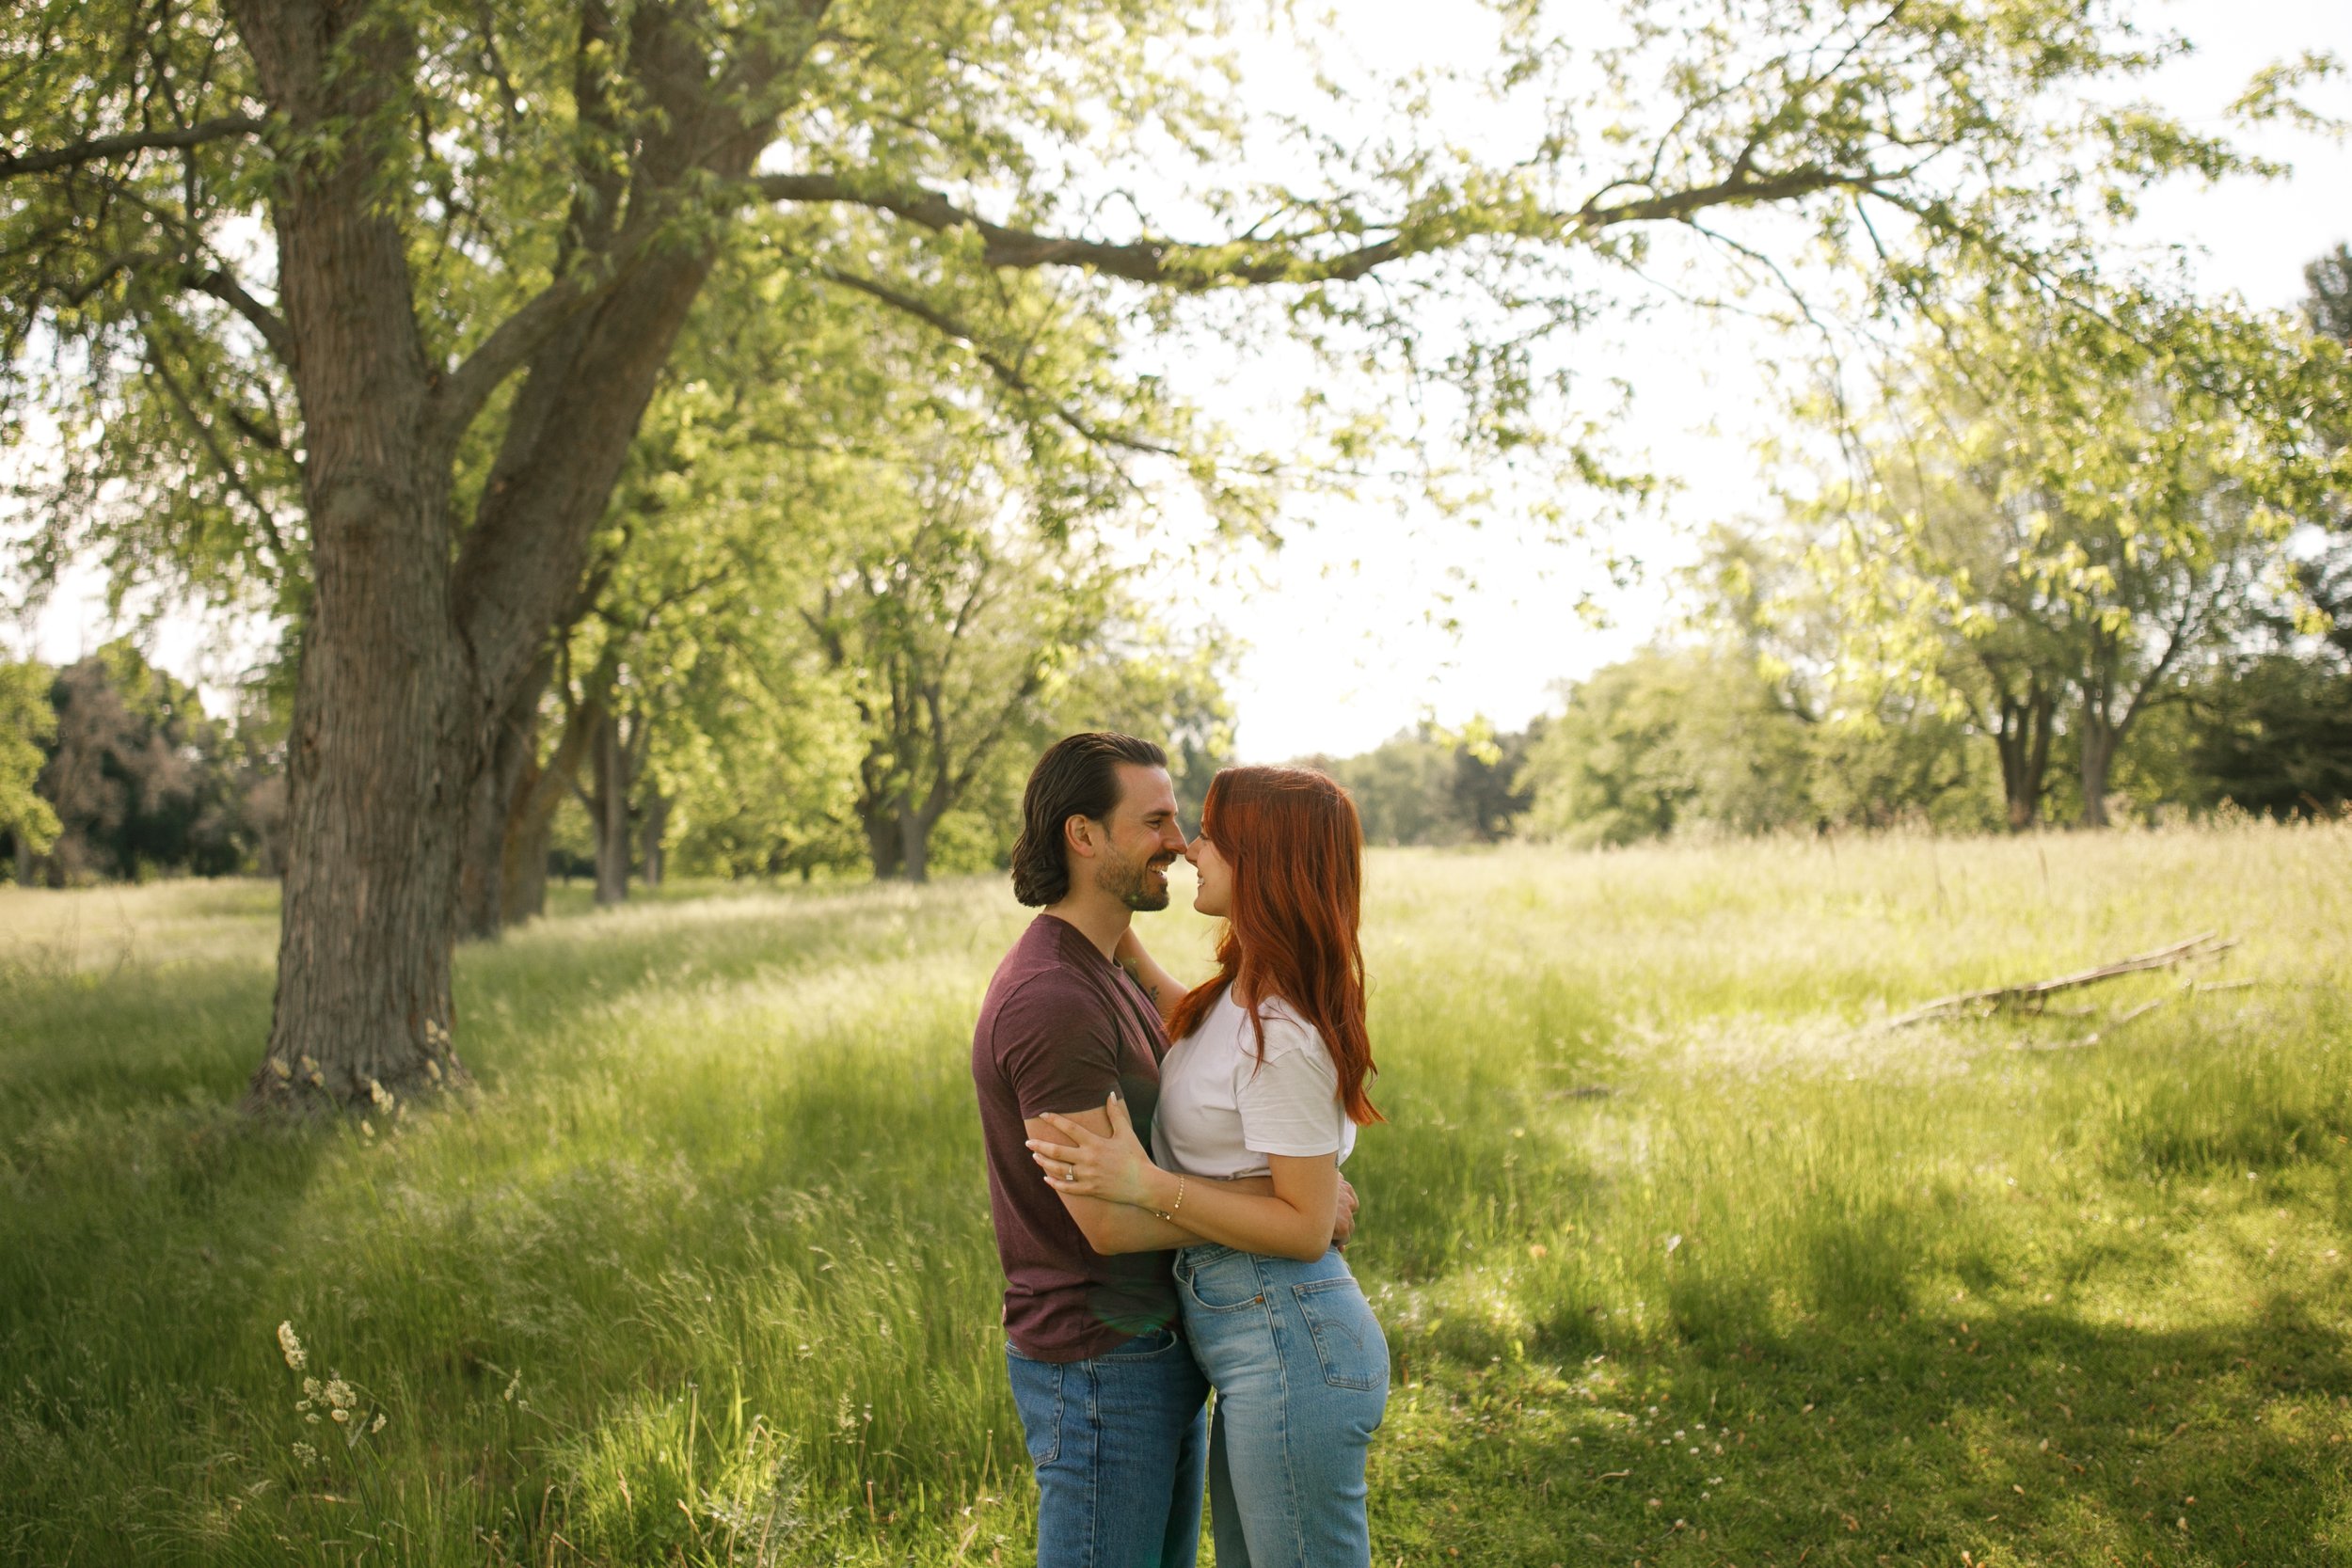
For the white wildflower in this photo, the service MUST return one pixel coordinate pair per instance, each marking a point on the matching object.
(291, 1347)
(339, 1394)
(306, 1453)
(378, 1425)
(342, 1415)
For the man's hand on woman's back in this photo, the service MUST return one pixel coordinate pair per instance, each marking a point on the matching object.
(1343, 1223)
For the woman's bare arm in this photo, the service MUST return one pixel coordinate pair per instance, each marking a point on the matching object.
(1295, 1219)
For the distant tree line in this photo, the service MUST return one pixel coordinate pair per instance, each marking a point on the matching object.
(1428, 785)
(116, 771)
(111, 770)
(2037, 590)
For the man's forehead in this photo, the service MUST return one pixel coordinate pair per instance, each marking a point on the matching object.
(1144, 789)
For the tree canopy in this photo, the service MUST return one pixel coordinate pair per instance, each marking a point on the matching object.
(357, 310)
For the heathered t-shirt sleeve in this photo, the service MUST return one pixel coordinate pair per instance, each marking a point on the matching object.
(1290, 1104)
(1055, 1047)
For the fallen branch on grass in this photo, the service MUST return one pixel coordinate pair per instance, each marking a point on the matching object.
(2187, 988)
(1983, 1003)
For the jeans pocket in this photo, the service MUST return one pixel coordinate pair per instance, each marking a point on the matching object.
(1226, 1282)
(1037, 1392)
(1143, 1347)
(1348, 1342)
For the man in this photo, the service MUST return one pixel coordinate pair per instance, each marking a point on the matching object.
(1110, 1401)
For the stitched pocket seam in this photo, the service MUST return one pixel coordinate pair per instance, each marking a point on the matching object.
(1333, 1342)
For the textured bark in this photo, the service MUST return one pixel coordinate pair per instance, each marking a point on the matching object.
(494, 807)
(414, 664)
(587, 387)
(523, 881)
(537, 795)
(379, 757)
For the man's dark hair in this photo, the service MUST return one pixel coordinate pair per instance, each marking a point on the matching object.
(1078, 776)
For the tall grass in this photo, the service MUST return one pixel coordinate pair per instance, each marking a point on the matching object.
(703, 1273)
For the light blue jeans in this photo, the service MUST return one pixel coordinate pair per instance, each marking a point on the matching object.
(1301, 1373)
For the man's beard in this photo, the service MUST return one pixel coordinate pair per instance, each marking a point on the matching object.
(1132, 882)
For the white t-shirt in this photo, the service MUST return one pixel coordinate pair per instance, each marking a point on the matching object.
(1221, 1112)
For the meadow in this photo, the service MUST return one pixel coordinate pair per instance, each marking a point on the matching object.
(1684, 1258)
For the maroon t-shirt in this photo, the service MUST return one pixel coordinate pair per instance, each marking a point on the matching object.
(1061, 1027)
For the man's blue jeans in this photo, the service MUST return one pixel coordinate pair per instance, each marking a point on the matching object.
(1120, 1447)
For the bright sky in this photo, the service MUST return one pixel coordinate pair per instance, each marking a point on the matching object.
(1346, 641)
(1346, 629)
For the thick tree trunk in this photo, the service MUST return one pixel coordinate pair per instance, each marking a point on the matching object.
(607, 810)
(652, 851)
(495, 806)
(2044, 717)
(914, 845)
(885, 844)
(524, 878)
(2023, 740)
(412, 664)
(538, 793)
(382, 752)
(2099, 741)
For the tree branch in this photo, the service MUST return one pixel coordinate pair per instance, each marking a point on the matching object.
(212, 449)
(1003, 368)
(459, 396)
(1181, 265)
(224, 286)
(130, 141)
(1196, 267)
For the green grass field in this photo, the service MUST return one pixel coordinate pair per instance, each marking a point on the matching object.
(1682, 1262)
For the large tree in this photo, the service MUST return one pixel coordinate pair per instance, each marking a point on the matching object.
(399, 277)
(2054, 518)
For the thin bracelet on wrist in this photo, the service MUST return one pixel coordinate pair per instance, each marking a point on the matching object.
(1168, 1213)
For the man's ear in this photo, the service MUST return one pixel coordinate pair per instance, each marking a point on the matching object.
(1081, 835)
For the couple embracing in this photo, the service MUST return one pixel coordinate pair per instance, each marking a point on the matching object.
(1170, 1215)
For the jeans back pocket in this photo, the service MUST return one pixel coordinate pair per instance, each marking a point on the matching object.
(1348, 1342)
(1037, 1394)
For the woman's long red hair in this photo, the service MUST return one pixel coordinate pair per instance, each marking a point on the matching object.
(1297, 850)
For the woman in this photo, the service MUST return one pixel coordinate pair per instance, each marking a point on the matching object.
(1259, 1098)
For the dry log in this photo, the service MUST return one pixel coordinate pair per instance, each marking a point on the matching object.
(1992, 998)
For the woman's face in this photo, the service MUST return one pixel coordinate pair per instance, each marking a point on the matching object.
(1213, 894)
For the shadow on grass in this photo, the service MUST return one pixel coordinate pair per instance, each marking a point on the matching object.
(2030, 1436)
